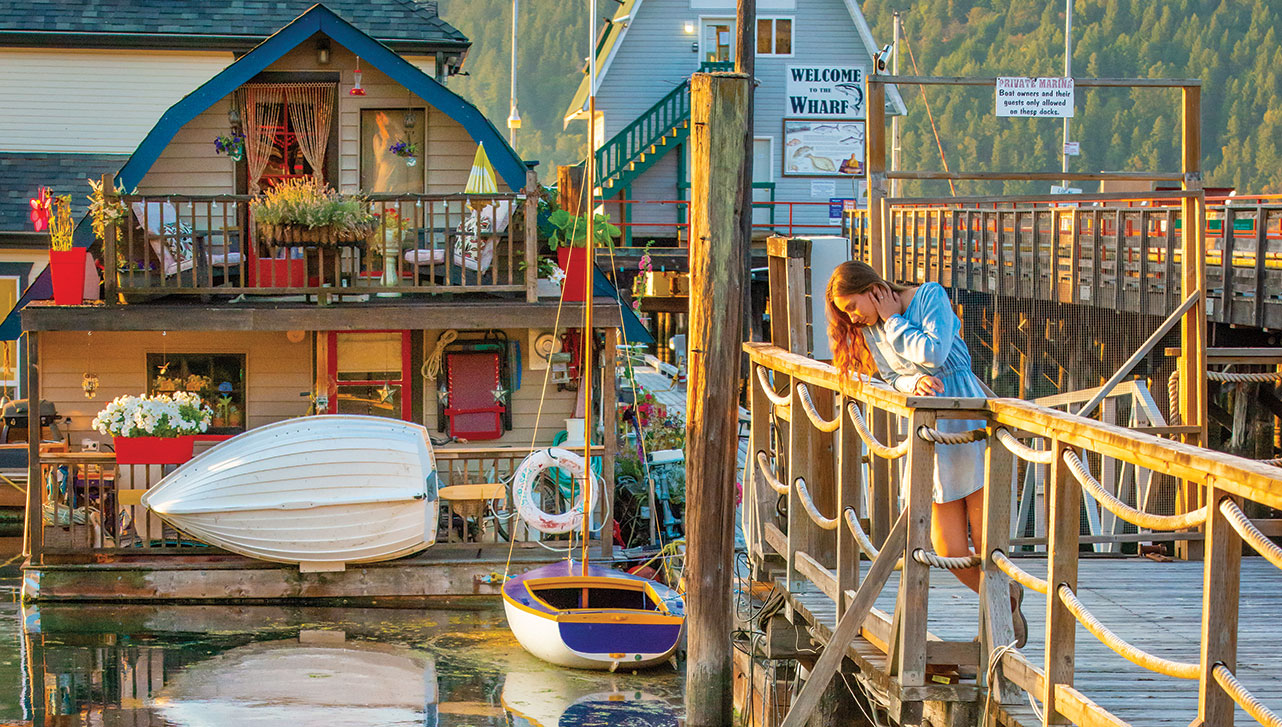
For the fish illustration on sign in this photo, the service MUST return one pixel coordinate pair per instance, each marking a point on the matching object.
(852, 90)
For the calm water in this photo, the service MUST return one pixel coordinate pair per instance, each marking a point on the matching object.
(208, 666)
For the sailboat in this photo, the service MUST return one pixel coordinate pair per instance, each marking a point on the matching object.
(319, 491)
(571, 613)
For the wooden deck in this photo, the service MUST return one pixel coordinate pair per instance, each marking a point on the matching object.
(1157, 606)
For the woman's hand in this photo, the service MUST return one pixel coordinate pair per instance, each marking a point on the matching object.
(928, 386)
(885, 302)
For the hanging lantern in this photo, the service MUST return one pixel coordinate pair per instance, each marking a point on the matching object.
(90, 385)
(356, 87)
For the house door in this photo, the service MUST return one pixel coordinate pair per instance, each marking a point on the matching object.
(369, 373)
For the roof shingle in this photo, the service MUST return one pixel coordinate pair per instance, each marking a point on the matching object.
(21, 176)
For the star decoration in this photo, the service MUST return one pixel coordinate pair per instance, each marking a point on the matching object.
(443, 396)
(500, 394)
(385, 393)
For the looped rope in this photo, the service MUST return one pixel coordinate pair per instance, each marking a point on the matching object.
(768, 473)
(1244, 698)
(775, 398)
(1017, 574)
(1177, 669)
(1268, 549)
(865, 543)
(1276, 461)
(1126, 512)
(803, 494)
(934, 560)
(877, 448)
(1019, 449)
(931, 434)
(1243, 378)
(808, 405)
(432, 365)
(1173, 398)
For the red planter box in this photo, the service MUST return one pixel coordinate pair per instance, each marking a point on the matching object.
(574, 261)
(154, 450)
(68, 270)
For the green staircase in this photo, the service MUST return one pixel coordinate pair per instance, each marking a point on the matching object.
(645, 141)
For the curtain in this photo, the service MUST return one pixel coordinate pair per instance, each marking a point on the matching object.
(311, 106)
(261, 105)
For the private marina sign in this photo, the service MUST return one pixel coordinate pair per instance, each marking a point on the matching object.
(825, 92)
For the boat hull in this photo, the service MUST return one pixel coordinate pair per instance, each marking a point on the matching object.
(316, 491)
(592, 638)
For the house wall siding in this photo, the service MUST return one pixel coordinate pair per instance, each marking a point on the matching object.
(655, 55)
(103, 101)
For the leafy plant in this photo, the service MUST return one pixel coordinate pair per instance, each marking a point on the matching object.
(105, 211)
(159, 415)
(311, 203)
(569, 231)
(404, 149)
(232, 144)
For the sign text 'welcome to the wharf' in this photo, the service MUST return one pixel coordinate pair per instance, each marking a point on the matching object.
(825, 92)
(1035, 97)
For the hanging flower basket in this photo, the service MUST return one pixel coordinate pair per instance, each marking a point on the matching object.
(154, 450)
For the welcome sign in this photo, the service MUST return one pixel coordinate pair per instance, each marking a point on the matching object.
(825, 92)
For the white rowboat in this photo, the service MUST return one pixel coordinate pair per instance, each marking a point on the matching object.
(319, 491)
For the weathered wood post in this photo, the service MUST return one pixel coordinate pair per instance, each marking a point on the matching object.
(1062, 533)
(718, 104)
(1192, 364)
(745, 62)
(110, 266)
(1221, 588)
(34, 535)
(532, 236)
(570, 192)
(875, 162)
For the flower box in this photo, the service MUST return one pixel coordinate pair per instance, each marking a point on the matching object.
(154, 450)
(300, 235)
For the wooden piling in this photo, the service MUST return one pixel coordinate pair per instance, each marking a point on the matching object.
(570, 192)
(718, 106)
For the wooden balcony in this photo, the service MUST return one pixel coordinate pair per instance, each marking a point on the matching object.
(212, 246)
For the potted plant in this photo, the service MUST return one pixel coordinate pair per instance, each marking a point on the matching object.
(66, 261)
(232, 144)
(569, 238)
(407, 150)
(306, 211)
(157, 429)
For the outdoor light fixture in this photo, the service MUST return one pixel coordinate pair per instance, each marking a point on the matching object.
(514, 119)
(689, 27)
(322, 51)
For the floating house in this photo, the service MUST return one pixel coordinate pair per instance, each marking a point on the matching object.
(812, 57)
(434, 317)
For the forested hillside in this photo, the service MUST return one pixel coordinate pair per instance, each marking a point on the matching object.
(1234, 47)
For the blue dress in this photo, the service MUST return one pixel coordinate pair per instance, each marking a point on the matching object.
(926, 341)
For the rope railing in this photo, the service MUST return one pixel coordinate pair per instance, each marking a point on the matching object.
(768, 474)
(769, 390)
(930, 434)
(945, 562)
(1024, 452)
(865, 544)
(874, 446)
(1259, 377)
(1275, 461)
(1267, 549)
(1173, 398)
(1177, 669)
(1247, 701)
(803, 494)
(808, 405)
(1017, 574)
(1131, 515)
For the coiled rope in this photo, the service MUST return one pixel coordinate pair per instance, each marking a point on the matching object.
(1268, 549)
(775, 398)
(1177, 669)
(1017, 574)
(877, 448)
(931, 434)
(1126, 512)
(432, 365)
(1019, 449)
(1244, 698)
(808, 405)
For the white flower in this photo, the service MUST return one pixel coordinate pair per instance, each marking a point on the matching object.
(162, 415)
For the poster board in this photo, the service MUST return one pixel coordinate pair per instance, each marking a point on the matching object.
(823, 148)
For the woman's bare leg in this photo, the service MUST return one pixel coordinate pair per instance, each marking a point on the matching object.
(949, 535)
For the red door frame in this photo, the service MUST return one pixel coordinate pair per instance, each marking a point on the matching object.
(407, 410)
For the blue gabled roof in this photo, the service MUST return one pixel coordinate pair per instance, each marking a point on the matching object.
(317, 19)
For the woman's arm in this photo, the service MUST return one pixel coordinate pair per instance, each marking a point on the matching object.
(929, 340)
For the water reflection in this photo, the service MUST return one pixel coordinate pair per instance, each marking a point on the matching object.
(210, 666)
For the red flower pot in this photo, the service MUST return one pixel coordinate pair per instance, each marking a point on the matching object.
(576, 286)
(68, 270)
(154, 450)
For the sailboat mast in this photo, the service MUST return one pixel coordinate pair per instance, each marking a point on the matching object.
(588, 374)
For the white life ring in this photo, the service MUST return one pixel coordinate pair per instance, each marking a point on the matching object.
(523, 490)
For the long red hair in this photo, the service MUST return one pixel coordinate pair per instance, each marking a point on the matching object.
(850, 352)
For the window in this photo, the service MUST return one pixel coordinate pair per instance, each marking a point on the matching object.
(219, 379)
(717, 41)
(9, 289)
(369, 373)
(286, 160)
(382, 171)
(774, 36)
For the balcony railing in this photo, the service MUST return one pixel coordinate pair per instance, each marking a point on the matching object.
(203, 245)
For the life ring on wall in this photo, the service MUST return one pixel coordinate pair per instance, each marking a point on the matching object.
(523, 490)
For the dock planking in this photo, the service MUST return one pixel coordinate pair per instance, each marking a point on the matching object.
(1156, 606)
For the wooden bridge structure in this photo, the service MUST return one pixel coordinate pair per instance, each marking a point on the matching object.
(837, 491)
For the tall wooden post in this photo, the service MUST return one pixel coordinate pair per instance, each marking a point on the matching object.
(1192, 364)
(745, 62)
(718, 104)
(875, 163)
(531, 236)
(33, 533)
(109, 262)
(1062, 533)
(1221, 588)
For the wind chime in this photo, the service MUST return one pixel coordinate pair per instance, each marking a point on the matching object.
(90, 381)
